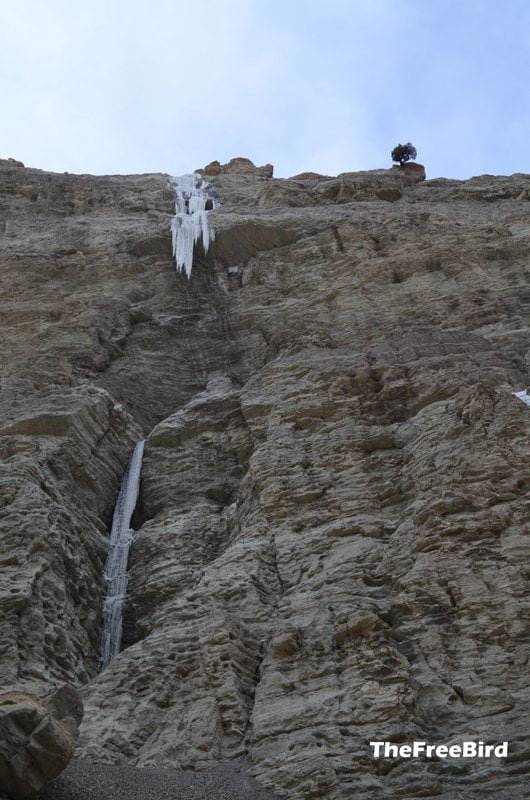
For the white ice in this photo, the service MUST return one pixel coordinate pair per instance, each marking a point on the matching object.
(121, 536)
(523, 395)
(191, 218)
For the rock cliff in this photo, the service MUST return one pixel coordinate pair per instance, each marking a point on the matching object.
(332, 526)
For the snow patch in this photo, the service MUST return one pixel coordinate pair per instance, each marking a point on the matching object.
(523, 395)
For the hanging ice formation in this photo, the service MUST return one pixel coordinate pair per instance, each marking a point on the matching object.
(524, 396)
(121, 536)
(193, 201)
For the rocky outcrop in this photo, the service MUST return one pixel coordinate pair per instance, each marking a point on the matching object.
(10, 162)
(330, 545)
(236, 166)
(412, 170)
(37, 738)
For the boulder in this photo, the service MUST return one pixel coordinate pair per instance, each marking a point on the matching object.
(411, 170)
(37, 738)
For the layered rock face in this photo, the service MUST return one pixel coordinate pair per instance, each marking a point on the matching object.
(93, 334)
(331, 546)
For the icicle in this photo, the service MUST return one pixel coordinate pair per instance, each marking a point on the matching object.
(523, 395)
(191, 218)
(121, 537)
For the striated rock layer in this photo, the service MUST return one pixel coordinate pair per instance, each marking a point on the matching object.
(332, 527)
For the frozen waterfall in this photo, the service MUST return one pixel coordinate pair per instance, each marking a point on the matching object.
(524, 396)
(121, 536)
(193, 201)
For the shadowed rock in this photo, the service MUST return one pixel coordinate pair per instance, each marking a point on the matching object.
(37, 738)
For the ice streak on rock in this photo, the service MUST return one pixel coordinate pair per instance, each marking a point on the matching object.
(523, 395)
(121, 537)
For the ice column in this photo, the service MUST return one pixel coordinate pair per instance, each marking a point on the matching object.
(193, 201)
(524, 396)
(121, 536)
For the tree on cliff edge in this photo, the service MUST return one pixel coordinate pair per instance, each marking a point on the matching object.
(403, 153)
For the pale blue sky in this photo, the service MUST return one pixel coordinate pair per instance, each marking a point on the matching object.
(120, 86)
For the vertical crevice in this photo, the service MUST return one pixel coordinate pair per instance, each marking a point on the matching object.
(121, 536)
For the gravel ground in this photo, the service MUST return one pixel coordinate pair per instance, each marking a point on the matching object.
(85, 781)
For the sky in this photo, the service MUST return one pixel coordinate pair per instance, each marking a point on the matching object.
(115, 87)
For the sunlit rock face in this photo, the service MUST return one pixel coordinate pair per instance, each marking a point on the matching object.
(330, 544)
(237, 166)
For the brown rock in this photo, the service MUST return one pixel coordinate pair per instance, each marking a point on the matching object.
(412, 170)
(37, 738)
(237, 166)
(214, 168)
(331, 544)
